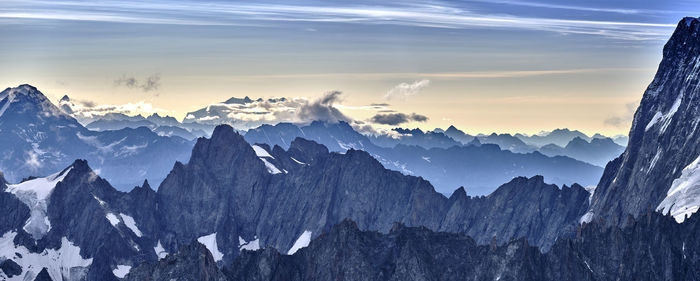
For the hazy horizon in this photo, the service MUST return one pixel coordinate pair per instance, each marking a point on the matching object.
(484, 66)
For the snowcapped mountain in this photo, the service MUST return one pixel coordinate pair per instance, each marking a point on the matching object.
(244, 113)
(658, 170)
(163, 126)
(39, 139)
(479, 168)
(73, 225)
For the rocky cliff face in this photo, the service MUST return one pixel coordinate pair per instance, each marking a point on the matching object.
(75, 225)
(652, 248)
(276, 197)
(664, 140)
(191, 262)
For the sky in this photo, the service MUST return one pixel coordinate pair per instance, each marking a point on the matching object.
(483, 65)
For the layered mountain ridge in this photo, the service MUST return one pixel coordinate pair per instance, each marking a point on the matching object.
(39, 139)
(479, 168)
(230, 199)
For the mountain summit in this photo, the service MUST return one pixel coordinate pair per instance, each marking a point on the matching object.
(659, 169)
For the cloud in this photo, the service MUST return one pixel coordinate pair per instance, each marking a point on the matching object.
(150, 83)
(623, 120)
(249, 113)
(405, 90)
(323, 109)
(87, 111)
(393, 119)
(433, 15)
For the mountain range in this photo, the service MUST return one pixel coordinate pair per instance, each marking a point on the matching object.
(323, 202)
(39, 139)
(479, 168)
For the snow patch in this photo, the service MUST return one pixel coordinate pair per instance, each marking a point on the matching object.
(303, 241)
(665, 119)
(297, 161)
(160, 251)
(261, 152)
(253, 245)
(653, 160)
(586, 218)
(591, 190)
(131, 224)
(35, 194)
(683, 198)
(102, 203)
(271, 168)
(209, 241)
(112, 219)
(64, 263)
(121, 270)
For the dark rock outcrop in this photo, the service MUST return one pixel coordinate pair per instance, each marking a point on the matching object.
(10, 268)
(43, 275)
(652, 248)
(192, 262)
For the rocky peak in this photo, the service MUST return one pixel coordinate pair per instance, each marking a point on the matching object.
(459, 194)
(663, 140)
(223, 151)
(306, 151)
(26, 99)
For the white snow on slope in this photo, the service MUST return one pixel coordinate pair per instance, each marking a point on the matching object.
(131, 224)
(271, 167)
(253, 245)
(586, 218)
(112, 219)
(160, 251)
(591, 190)
(261, 152)
(209, 241)
(64, 263)
(665, 119)
(297, 161)
(121, 270)
(8, 101)
(303, 241)
(35, 194)
(683, 198)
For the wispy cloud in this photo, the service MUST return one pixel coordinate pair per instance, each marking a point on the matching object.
(394, 13)
(622, 120)
(405, 90)
(432, 75)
